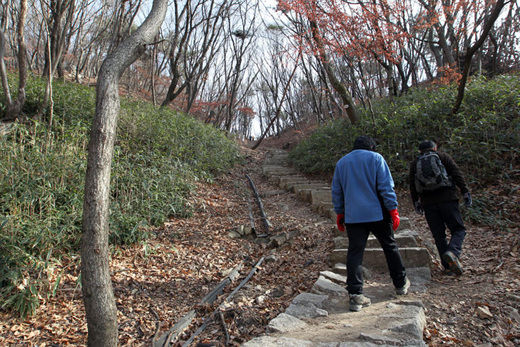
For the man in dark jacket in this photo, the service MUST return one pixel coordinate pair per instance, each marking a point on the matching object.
(365, 201)
(441, 208)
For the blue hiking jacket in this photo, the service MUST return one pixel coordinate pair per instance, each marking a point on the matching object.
(358, 178)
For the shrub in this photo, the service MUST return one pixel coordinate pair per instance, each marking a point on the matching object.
(157, 158)
(483, 138)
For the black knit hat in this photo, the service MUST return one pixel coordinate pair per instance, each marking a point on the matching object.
(427, 145)
(365, 142)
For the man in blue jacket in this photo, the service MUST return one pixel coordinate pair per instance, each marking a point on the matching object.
(365, 201)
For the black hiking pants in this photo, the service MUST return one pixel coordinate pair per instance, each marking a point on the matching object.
(357, 240)
(442, 215)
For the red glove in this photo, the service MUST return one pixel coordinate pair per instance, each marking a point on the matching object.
(340, 221)
(395, 219)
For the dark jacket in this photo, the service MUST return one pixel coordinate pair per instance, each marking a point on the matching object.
(444, 194)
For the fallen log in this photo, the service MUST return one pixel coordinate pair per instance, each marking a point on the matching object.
(173, 334)
(209, 319)
(212, 296)
(261, 207)
(224, 326)
(251, 218)
(157, 324)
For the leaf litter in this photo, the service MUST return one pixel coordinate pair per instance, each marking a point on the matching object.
(157, 282)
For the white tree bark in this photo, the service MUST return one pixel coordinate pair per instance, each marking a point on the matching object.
(14, 108)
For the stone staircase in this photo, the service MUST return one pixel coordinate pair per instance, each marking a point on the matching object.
(321, 318)
(318, 195)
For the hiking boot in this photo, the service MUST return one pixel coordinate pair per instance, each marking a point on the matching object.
(453, 261)
(404, 289)
(357, 301)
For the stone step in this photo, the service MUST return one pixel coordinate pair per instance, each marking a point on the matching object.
(340, 268)
(285, 182)
(324, 208)
(272, 193)
(278, 159)
(310, 193)
(322, 318)
(313, 185)
(305, 194)
(270, 170)
(374, 258)
(404, 224)
(290, 184)
(319, 195)
(404, 238)
(280, 179)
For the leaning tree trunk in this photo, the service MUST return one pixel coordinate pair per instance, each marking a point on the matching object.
(334, 81)
(98, 295)
(471, 51)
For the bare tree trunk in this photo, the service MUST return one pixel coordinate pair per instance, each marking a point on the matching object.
(187, 64)
(48, 102)
(98, 296)
(336, 83)
(255, 146)
(56, 37)
(3, 71)
(472, 50)
(153, 60)
(22, 56)
(14, 108)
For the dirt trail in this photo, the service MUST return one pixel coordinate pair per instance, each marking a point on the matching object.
(158, 282)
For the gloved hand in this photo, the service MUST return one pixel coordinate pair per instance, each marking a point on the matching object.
(418, 207)
(340, 222)
(467, 199)
(395, 219)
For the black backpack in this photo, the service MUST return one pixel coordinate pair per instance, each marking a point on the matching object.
(431, 173)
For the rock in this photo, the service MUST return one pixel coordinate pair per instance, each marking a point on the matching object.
(301, 311)
(226, 272)
(234, 235)
(267, 341)
(483, 312)
(513, 314)
(292, 234)
(309, 298)
(271, 193)
(334, 277)
(379, 339)
(410, 320)
(303, 308)
(285, 322)
(326, 286)
(248, 230)
(276, 292)
(241, 230)
(277, 240)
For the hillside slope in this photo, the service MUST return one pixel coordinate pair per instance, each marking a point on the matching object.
(158, 282)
